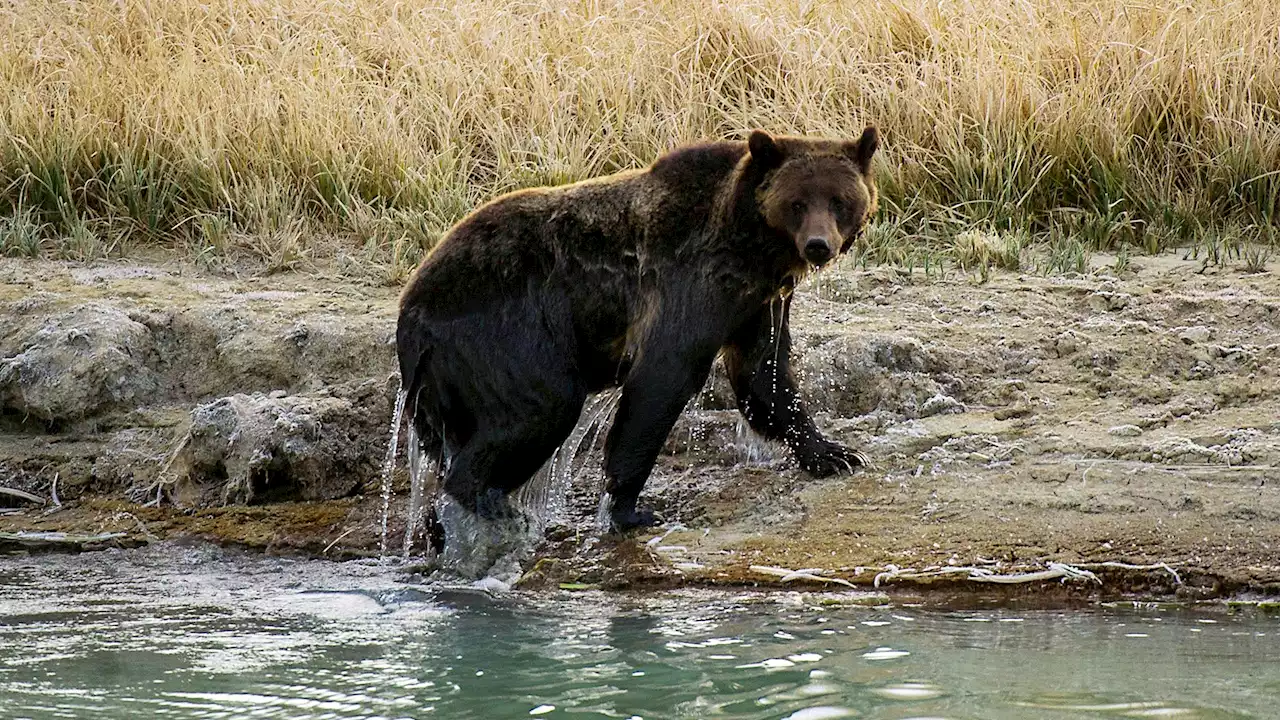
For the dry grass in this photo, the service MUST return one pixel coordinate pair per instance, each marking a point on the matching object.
(364, 128)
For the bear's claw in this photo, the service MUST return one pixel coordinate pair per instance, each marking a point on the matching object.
(829, 458)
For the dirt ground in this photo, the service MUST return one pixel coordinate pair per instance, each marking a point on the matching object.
(1125, 423)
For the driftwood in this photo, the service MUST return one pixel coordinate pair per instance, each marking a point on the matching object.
(58, 541)
(1053, 571)
(22, 495)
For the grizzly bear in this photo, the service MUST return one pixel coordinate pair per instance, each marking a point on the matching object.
(640, 279)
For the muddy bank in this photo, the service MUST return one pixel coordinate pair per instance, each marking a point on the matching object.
(1101, 422)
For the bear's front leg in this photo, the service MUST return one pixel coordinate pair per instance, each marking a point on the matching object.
(758, 358)
(655, 393)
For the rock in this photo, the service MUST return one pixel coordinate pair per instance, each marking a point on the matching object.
(1104, 301)
(1194, 335)
(850, 375)
(1125, 431)
(1233, 354)
(261, 448)
(1010, 413)
(89, 360)
(1066, 344)
(941, 405)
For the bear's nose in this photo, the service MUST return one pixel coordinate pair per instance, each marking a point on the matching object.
(817, 250)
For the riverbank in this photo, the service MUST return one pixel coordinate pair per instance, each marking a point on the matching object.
(1122, 424)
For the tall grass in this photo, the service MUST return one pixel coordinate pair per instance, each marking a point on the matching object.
(367, 127)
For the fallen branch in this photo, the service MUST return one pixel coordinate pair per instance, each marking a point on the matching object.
(977, 574)
(1126, 566)
(22, 495)
(811, 574)
(47, 540)
(1054, 570)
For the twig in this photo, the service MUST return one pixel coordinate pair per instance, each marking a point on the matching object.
(141, 525)
(655, 542)
(329, 547)
(53, 490)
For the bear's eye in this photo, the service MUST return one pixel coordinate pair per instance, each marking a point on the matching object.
(797, 207)
(842, 210)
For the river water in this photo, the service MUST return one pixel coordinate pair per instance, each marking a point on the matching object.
(197, 632)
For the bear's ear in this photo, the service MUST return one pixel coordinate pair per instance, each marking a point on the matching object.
(764, 149)
(865, 148)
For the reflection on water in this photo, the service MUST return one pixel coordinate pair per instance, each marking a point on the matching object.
(197, 633)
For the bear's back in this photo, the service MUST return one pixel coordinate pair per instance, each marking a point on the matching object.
(587, 229)
(698, 166)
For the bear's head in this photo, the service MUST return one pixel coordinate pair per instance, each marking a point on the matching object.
(817, 193)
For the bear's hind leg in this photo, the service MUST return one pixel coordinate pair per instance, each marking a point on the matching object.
(500, 457)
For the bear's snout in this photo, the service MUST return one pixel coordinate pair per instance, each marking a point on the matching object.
(817, 250)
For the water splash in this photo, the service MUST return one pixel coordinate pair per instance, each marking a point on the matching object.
(754, 449)
(475, 546)
(389, 467)
(545, 498)
(603, 521)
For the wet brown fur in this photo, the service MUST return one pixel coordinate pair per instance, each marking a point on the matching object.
(639, 279)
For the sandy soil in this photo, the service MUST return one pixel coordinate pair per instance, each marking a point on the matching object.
(1128, 418)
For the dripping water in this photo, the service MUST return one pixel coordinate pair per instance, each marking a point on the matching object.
(389, 467)
(694, 413)
(421, 468)
(603, 521)
(775, 326)
(547, 499)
